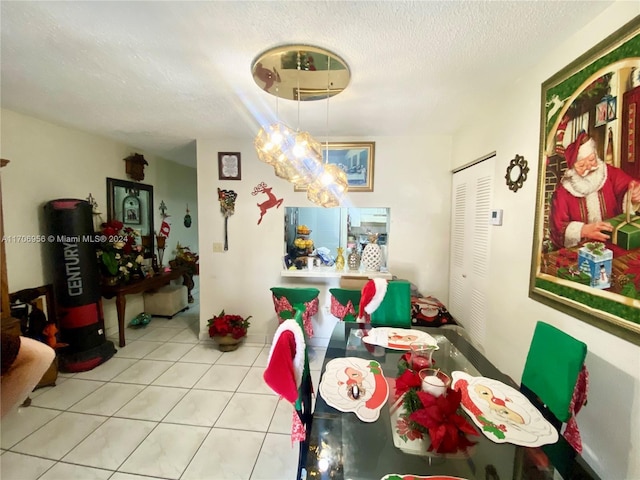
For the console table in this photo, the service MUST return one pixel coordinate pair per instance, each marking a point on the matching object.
(144, 285)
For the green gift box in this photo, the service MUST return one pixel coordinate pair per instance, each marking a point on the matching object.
(626, 231)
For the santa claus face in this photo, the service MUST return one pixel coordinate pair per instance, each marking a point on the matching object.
(586, 165)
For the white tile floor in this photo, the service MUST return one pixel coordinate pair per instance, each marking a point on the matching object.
(166, 406)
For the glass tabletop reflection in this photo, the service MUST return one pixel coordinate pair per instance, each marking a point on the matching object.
(341, 446)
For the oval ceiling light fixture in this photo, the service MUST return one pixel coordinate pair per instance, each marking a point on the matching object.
(276, 72)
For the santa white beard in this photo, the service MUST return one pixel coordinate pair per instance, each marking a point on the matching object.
(587, 187)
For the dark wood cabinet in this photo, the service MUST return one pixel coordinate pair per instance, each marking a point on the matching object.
(9, 324)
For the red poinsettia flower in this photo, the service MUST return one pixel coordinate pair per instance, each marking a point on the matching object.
(233, 325)
(446, 427)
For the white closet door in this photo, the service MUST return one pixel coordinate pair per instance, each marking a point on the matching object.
(472, 196)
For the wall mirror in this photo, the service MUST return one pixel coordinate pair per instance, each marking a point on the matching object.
(337, 227)
(516, 173)
(132, 204)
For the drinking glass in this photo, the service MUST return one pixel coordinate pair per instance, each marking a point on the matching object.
(421, 355)
(434, 381)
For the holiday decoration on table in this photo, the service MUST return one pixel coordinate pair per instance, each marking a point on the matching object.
(269, 203)
(397, 338)
(227, 200)
(355, 385)
(502, 412)
(418, 415)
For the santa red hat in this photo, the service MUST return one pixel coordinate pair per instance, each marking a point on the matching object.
(582, 147)
(372, 295)
(285, 364)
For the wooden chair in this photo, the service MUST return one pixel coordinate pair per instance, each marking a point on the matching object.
(28, 305)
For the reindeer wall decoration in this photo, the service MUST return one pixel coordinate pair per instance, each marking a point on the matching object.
(271, 202)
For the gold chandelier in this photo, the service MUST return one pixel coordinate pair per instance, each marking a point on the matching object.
(301, 73)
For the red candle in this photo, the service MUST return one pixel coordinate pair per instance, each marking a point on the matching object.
(418, 362)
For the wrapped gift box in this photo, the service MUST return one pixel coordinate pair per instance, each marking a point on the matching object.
(626, 233)
(595, 261)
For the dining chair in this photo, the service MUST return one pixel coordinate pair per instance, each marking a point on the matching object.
(345, 303)
(287, 374)
(555, 378)
(285, 297)
(395, 309)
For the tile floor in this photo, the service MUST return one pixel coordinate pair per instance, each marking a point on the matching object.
(166, 406)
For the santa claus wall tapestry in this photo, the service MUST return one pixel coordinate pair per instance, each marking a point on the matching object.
(586, 248)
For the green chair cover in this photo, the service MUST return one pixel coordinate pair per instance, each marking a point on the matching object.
(284, 300)
(553, 364)
(343, 296)
(395, 309)
(296, 295)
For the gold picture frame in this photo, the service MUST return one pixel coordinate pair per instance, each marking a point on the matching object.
(357, 159)
(577, 278)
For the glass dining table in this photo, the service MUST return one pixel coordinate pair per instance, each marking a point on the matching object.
(342, 447)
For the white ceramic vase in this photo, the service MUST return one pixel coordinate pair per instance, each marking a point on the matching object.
(371, 257)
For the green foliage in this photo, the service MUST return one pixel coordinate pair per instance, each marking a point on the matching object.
(599, 303)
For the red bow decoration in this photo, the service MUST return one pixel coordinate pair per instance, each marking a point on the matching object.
(409, 379)
(446, 427)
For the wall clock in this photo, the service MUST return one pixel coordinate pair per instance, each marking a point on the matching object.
(131, 209)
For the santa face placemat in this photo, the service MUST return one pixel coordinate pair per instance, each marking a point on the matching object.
(502, 412)
(355, 385)
(397, 338)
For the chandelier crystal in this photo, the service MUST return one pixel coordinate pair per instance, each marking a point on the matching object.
(298, 72)
(329, 188)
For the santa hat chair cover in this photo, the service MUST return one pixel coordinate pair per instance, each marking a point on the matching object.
(386, 303)
(287, 372)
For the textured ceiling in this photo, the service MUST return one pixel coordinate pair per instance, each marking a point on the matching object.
(158, 75)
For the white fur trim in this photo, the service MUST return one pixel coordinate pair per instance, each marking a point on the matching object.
(376, 300)
(582, 186)
(572, 234)
(593, 207)
(586, 149)
(298, 335)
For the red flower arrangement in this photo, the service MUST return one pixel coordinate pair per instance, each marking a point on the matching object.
(118, 254)
(233, 325)
(437, 416)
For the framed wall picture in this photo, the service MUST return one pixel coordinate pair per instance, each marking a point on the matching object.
(229, 166)
(132, 204)
(357, 161)
(586, 248)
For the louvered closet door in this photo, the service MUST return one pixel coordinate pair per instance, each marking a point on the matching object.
(472, 197)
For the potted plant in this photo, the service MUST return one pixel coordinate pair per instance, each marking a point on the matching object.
(228, 330)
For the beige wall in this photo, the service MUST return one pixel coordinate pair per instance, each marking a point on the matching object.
(412, 178)
(611, 421)
(50, 161)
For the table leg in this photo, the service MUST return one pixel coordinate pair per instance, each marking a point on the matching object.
(121, 303)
